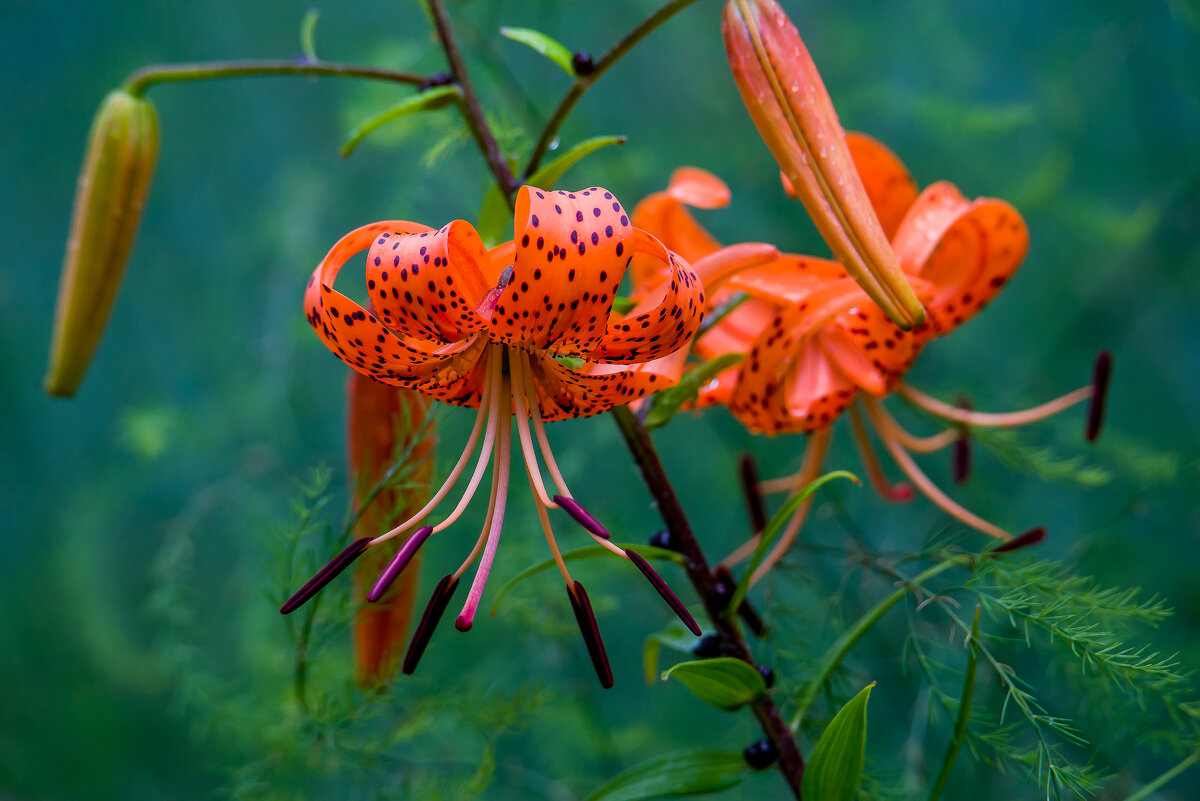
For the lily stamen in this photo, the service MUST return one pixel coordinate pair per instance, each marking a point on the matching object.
(481, 418)
(922, 482)
(523, 403)
(500, 475)
(896, 493)
(956, 414)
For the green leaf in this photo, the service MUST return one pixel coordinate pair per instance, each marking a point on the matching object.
(494, 215)
(681, 773)
(674, 635)
(772, 530)
(667, 402)
(724, 682)
(836, 763)
(308, 29)
(545, 45)
(588, 552)
(429, 100)
(623, 305)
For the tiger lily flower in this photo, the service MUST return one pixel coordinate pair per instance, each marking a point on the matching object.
(790, 106)
(499, 331)
(816, 345)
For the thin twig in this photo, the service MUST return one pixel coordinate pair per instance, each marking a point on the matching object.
(472, 108)
(637, 438)
(584, 82)
(142, 79)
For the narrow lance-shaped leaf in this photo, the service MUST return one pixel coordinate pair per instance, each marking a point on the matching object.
(547, 46)
(772, 531)
(494, 215)
(429, 100)
(681, 773)
(666, 403)
(308, 30)
(836, 764)
(963, 717)
(724, 682)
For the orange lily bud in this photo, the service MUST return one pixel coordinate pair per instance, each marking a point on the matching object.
(794, 115)
(382, 423)
(121, 153)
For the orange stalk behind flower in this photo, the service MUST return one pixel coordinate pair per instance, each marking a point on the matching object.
(788, 102)
(384, 423)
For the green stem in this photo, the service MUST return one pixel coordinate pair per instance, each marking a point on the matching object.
(1154, 786)
(959, 735)
(584, 82)
(139, 81)
(837, 652)
(472, 108)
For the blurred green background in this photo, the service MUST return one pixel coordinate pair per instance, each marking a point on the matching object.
(141, 653)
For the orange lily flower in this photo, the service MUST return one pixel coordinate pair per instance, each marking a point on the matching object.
(815, 342)
(492, 330)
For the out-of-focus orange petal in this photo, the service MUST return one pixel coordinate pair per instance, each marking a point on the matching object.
(737, 331)
(356, 336)
(788, 280)
(967, 249)
(665, 216)
(817, 391)
(382, 421)
(888, 182)
(851, 361)
(571, 252)
(657, 326)
(427, 285)
(721, 265)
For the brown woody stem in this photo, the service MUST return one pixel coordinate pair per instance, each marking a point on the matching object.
(637, 438)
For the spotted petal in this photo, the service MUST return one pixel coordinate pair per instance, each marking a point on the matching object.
(427, 285)
(967, 249)
(658, 325)
(572, 249)
(359, 338)
(563, 392)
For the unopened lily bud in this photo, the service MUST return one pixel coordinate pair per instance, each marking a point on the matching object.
(385, 423)
(788, 102)
(121, 153)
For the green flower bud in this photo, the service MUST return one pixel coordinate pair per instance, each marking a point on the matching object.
(113, 184)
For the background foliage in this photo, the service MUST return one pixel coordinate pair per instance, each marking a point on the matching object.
(142, 653)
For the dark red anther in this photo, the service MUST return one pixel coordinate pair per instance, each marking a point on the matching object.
(672, 600)
(400, 561)
(591, 633)
(582, 62)
(1031, 537)
(581, 516)
(1101, 373)
(754, 502)
(326, 574)
(434, 610)
(962, 446)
